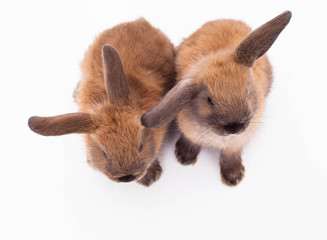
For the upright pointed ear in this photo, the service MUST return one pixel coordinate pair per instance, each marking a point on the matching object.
(171, 104)
(260, 40)
(114, 76)
(62, 124)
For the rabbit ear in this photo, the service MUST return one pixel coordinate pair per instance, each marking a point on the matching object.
(114, 76)
(260, 40)
(171, 104)
(62, 124)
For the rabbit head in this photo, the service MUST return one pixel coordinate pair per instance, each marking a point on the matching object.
(117, 143)
(219, 90)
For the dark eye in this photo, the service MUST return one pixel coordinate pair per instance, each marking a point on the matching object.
(105, 155)
(210, 101)
(140, 147)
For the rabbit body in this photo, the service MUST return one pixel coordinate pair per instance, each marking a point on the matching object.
(125, 72)
(147, 56)
(214, 40)
(223, 78)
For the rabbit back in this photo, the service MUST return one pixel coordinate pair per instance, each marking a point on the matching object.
(146, 54)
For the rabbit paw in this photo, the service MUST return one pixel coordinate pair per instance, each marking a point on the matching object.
(186, 152)
(152, 175)
(232, 174)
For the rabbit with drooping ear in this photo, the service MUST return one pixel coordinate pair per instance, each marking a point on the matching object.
(120, 82)
(223, 78)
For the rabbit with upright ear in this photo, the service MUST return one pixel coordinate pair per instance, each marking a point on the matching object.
(120, 82)
(223, 78)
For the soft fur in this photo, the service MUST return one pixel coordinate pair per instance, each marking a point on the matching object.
(120, 82)
(223, 78)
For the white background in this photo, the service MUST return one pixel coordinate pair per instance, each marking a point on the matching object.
(47, 190)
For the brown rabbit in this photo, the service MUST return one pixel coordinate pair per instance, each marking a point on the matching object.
(115, 90)
(223, 78)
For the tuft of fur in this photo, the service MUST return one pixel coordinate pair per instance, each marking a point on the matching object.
(125, 72)
(223, 78)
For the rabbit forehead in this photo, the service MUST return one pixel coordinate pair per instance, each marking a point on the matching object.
(119, 130)
(224, 78)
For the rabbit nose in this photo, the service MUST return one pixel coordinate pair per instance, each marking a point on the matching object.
(127, 178)
(234, 127)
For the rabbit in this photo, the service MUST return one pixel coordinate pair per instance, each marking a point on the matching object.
(125, 72)
(223, 78)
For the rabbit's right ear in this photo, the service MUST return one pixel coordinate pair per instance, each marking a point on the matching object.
(260, 40)
(114, 77)
(171, 104)
(62, 124)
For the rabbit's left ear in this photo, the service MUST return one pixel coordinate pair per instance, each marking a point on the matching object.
(260, 40)
(62, 124)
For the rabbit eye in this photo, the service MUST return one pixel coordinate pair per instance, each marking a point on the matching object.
(140, 147)
(105, 155)
(210, 101)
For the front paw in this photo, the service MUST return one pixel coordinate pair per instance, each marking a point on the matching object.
(186, 152)
(232, 174)
(152, 175)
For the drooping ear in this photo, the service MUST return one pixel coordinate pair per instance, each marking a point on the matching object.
(260, 40)
(171, 104)
(62, 124)
(114, 76)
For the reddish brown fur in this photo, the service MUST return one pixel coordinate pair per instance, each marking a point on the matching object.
(147, 58)
(220, 61)
(146, 55)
